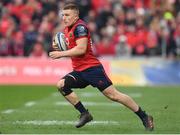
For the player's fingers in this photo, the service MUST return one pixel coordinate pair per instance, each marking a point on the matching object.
(51, 54)
(54, 46)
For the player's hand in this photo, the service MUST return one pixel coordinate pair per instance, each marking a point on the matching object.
(55, 54)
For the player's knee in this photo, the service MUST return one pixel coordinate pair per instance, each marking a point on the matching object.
(65, 85)
(60, 84)
(65, 91)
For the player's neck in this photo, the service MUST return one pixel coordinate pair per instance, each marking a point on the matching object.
(75, 20)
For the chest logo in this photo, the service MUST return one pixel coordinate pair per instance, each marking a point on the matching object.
(70, 35)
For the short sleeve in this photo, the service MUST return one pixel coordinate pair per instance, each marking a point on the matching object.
(80, 31)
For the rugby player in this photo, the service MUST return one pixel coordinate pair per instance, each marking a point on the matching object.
(88, 70)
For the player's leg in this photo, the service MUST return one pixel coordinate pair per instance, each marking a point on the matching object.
(117, 96)
(64, 86)
(112, 93)
(97, 77)
(67, 93)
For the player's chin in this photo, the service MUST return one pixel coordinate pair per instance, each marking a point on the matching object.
(68, 24)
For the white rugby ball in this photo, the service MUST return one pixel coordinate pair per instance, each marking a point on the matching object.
(60, 40)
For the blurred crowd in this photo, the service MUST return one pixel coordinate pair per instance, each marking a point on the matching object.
(120, 28)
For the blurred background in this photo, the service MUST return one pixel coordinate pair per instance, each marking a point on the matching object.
(138, 41)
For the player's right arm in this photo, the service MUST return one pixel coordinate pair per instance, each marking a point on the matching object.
(81, 33)
(78, 50)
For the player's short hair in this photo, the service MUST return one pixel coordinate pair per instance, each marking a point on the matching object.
(72, 6)
(69, 6)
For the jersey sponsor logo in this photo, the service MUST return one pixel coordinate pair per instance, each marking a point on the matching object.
(81, 29)
(100, 82)
(70, 35)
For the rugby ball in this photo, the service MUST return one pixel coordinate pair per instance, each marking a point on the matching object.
(60, 41)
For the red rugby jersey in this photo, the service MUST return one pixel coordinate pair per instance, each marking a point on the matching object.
(87, 60)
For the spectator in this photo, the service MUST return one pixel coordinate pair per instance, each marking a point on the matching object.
(122, 48)
(105, 47)
(141, 22)
(177, 38)
(18, 44)
(5, 47)
(38, 51)
(30, 37)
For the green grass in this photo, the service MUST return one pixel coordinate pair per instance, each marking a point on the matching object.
(161, 102)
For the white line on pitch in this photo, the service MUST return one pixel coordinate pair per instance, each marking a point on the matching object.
(29, 104)
(55, 94)
(8, 111)
(90, 94)
(56, 122)
(62, 103)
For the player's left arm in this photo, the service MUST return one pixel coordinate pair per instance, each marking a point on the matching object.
(81, 33)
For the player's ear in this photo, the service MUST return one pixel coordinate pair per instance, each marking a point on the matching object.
(76, 14)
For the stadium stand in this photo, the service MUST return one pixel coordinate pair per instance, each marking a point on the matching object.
(120, 28)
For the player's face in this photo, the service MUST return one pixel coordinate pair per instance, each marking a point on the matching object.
(69, 17)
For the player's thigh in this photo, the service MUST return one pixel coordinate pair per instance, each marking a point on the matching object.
(74, 80)
(111, 92)
(97, 77)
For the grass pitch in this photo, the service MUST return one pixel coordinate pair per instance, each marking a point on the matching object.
(41, 109)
